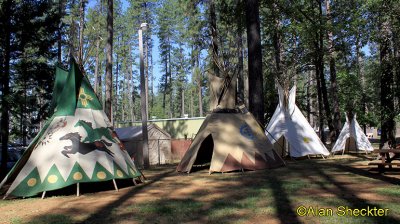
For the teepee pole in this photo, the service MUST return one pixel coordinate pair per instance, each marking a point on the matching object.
(115, 185)
(43, 194)
(77, 190)
(134, 181)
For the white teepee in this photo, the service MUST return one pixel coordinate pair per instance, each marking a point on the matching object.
(352, 138)
(289, 122)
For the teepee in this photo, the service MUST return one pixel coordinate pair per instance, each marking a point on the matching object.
(288, 122)
(352, 138)
(77, 144)
(228, 142)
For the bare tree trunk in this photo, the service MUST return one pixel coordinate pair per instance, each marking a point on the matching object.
(182, 102)
(109, 47)
(72, 35)
(165, 84)
(320, 109)
(5, 85)
(256, 96)
(146, 76)
(191, 103)
(96, 70)
(81, 29)
(151, 75)
(171, 102)
(360, 74)
(200, 92)
(308, 97)
(332, 67)
(116, 95)
(131, 83)
(387, 104)
(59, 31)
(319, 65)
(277, 42)
(214, 37)
(239, 40)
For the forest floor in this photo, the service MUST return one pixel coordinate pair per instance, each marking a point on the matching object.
(267, 196)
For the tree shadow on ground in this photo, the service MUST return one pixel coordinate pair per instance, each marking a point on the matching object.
(255, 197)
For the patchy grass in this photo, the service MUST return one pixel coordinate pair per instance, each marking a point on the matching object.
(52, 218)
(389, 191)
(250, 197)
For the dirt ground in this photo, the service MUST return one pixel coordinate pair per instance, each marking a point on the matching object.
(267, 196)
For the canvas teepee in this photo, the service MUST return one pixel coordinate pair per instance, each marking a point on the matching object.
(290, 123)
(230, 141)
(352, 138)
(77, 144)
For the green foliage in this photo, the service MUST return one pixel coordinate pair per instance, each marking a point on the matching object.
(33, 36)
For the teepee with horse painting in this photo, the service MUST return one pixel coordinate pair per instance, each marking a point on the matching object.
(76, 145)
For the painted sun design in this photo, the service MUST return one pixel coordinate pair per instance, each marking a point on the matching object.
(83, 97)
(306, 140)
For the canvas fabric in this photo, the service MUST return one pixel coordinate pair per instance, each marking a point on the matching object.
(77, 144)
(238, 143)
(352, 129)
(289, 122)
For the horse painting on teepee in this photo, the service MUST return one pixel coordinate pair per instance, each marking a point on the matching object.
(77, 143)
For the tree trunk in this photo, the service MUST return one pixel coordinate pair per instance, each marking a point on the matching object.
(81, 28)
(319, 65)
(239, 41)
(116, 94)
(171, 102)
(132, 85)
(387, 103)
(277, 42)
(59, 31)
(165, 84)
(109, 47)
(256, 96)
(332, 68)
(320, 108)
(5, 84)
(361, 75)
(182, 102)
(200, 92)
(214, 38)
(146, 75)
(191, 103)
(96, 70)
(72, 34)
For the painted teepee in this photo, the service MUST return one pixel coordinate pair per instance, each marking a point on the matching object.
(228, 142)
(77, 144)
(290, 123)
(352, 138)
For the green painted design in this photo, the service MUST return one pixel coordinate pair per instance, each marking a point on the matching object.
(77, 175)
(101, 174)
(67, 102)
(87, 99)
(53, 180)
(133, 171)
(95, 134)
(59, 83)
(29, 186)
(119, 173)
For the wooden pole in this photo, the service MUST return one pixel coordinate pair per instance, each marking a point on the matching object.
(115, 185)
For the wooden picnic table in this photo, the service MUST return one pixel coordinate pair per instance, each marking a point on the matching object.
(386, 159)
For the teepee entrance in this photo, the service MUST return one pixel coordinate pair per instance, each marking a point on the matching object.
(204, 155)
